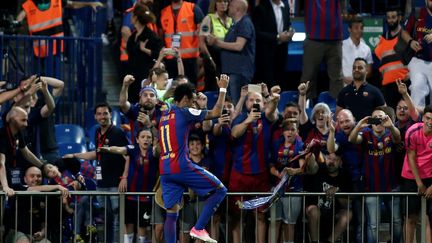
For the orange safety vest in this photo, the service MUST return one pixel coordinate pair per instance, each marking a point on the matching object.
(183, 25)
(391, 67)
(44, 23)
(123, 52)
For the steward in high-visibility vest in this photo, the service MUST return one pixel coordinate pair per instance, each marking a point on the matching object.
(183, 26)
(218, 29)
(391, 67)
(44, 23)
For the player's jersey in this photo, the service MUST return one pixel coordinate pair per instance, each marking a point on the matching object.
(174, 127)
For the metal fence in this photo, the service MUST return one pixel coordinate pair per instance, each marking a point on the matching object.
(79, 65)
(67, 225)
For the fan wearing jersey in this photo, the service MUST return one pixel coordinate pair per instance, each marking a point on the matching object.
(142, 170)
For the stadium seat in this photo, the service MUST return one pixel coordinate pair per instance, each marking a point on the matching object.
(70, 133)
(212, 97)
(70, 148)
(325, 97)
(285, 97)
(91, 134)
(116, 117)
(89, 120)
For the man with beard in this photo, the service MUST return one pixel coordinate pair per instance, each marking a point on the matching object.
(391, 67)
(109, 167)
(146, 113)
(330, 179)
(418, 35)
(360, 97)
(11, 141)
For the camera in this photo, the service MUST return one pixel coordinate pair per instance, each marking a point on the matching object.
(256, 107)
(374, 121)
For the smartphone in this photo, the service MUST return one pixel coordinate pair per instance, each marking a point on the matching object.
(256, 107)
(225, 112)
(38, 79)
(143, 110)
(170, 51)
(254, 88)
(300, 36)
(374, 121)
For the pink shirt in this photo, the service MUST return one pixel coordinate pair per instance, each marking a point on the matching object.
(415, 139)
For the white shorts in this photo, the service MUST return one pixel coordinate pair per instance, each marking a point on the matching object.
(420, 73)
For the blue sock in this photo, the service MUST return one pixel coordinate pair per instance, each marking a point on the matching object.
(170, 228)
(211, 204)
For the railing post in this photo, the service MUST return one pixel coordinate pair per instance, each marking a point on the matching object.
(122, 217)
(423, 219)
(273, 223)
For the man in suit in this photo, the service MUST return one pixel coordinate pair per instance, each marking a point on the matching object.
(272, 25)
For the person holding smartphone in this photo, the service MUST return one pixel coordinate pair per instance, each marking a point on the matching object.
(377, 136)
(251, 132)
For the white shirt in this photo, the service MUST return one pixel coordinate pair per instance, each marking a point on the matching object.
(277, 9)
(350, 52)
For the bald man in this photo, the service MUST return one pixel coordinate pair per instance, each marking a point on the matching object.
(237, 49)
(11, 140)
(35, 231)
(251, 132)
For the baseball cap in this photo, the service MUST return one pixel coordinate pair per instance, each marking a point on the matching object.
(148, 88)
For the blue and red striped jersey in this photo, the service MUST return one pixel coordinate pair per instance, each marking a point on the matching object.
(323, 20)
(133, 113)
(378, 163)
(220, 152)
(280, 157)
(174, 128)
(142, 171)
(418, 27)
(251, 151)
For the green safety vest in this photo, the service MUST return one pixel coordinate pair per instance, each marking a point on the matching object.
(219, 30)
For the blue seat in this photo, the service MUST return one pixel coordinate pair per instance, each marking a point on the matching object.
(91, 134)
(70, 148)
(70, 133)
(285, 97)
(325, 97)
(89, 120)
(116, 117)
(212, 97)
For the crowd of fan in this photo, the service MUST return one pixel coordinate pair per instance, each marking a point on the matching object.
(368, 142)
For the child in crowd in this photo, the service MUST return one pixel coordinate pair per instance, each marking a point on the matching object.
(284, 150)
(142, 173)
(194, 205)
